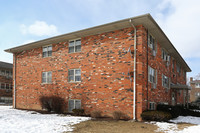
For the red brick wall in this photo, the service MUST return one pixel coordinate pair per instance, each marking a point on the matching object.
(105, 64)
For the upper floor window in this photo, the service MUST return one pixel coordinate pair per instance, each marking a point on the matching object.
(165, 81)
(3, 72)
(46, 77)
(165, 55)
(74, 75)
(152, 76)
(75, 46)
(47, 51)
(178, 68)
(197, 85)
(152, 44)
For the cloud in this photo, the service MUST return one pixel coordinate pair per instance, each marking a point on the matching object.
(181, 25)
(39, 28)
(29, 41)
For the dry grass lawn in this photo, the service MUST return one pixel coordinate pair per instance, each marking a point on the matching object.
(95, 126)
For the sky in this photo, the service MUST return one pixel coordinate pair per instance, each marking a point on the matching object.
(25, 21)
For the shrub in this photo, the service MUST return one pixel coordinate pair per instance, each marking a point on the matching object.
(156, 116)
(52, 103)
(175, 111)
(96, 114)
(118, 115)
(78, 112)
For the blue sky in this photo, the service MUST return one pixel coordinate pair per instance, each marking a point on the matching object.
(26, 21)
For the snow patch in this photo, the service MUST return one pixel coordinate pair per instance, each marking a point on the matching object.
(18, 121)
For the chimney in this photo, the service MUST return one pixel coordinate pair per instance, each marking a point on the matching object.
(191, 79)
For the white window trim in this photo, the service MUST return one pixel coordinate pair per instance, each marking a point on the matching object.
(47, 50)
(46, 74)
(74, 40)
(74, 75)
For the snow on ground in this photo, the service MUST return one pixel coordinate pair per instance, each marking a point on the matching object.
(18, 121)
(173, 128)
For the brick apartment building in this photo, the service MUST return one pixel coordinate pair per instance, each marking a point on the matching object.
(111, 67)
(6, 83)
(195, 91)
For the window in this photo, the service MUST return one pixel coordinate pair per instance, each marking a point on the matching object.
(75, 46)
(10, 74)
(2, 86)
(7, 74)
(74, 75)
(3, 72)
(46, 77)
(197, 85)
(74, 104)
(47, 51)
(7, 86)
(152, 44)
(6, 100)
(11, 87)
(178, 68)
(165, 81)
(152, 106)
(173, 62)
(165, 55)
(152, 76)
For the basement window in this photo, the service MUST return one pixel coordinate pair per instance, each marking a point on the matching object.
(74, 104)
(75, 46)
(46, 77)
(74, 75)
(152, 106)
(47, 51)
(165, 81)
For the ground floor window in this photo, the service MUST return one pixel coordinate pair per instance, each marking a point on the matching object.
(152, 106)
(74, 104)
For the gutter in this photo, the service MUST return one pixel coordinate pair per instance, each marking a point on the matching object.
(134, 71)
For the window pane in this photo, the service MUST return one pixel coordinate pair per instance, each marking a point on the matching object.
(71, 43)
(71, 72)
(49, 48)
(3, 72)
(71, 105)
(78, 72)
(78, 42)
(71, 49)
(44, 78)
(7, 86)
(71, 78)
(78, 78)
(77, 104)
(49, 53)
(44, 49)
(2, 86)
(49, 77)
(78, 48)
(44, 54)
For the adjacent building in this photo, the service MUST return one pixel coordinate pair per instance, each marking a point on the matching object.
(6, 83)
(195, 91)
(128, 65)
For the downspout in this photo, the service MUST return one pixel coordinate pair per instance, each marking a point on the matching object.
(134, 71)
(147, 70)
(14, 91)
